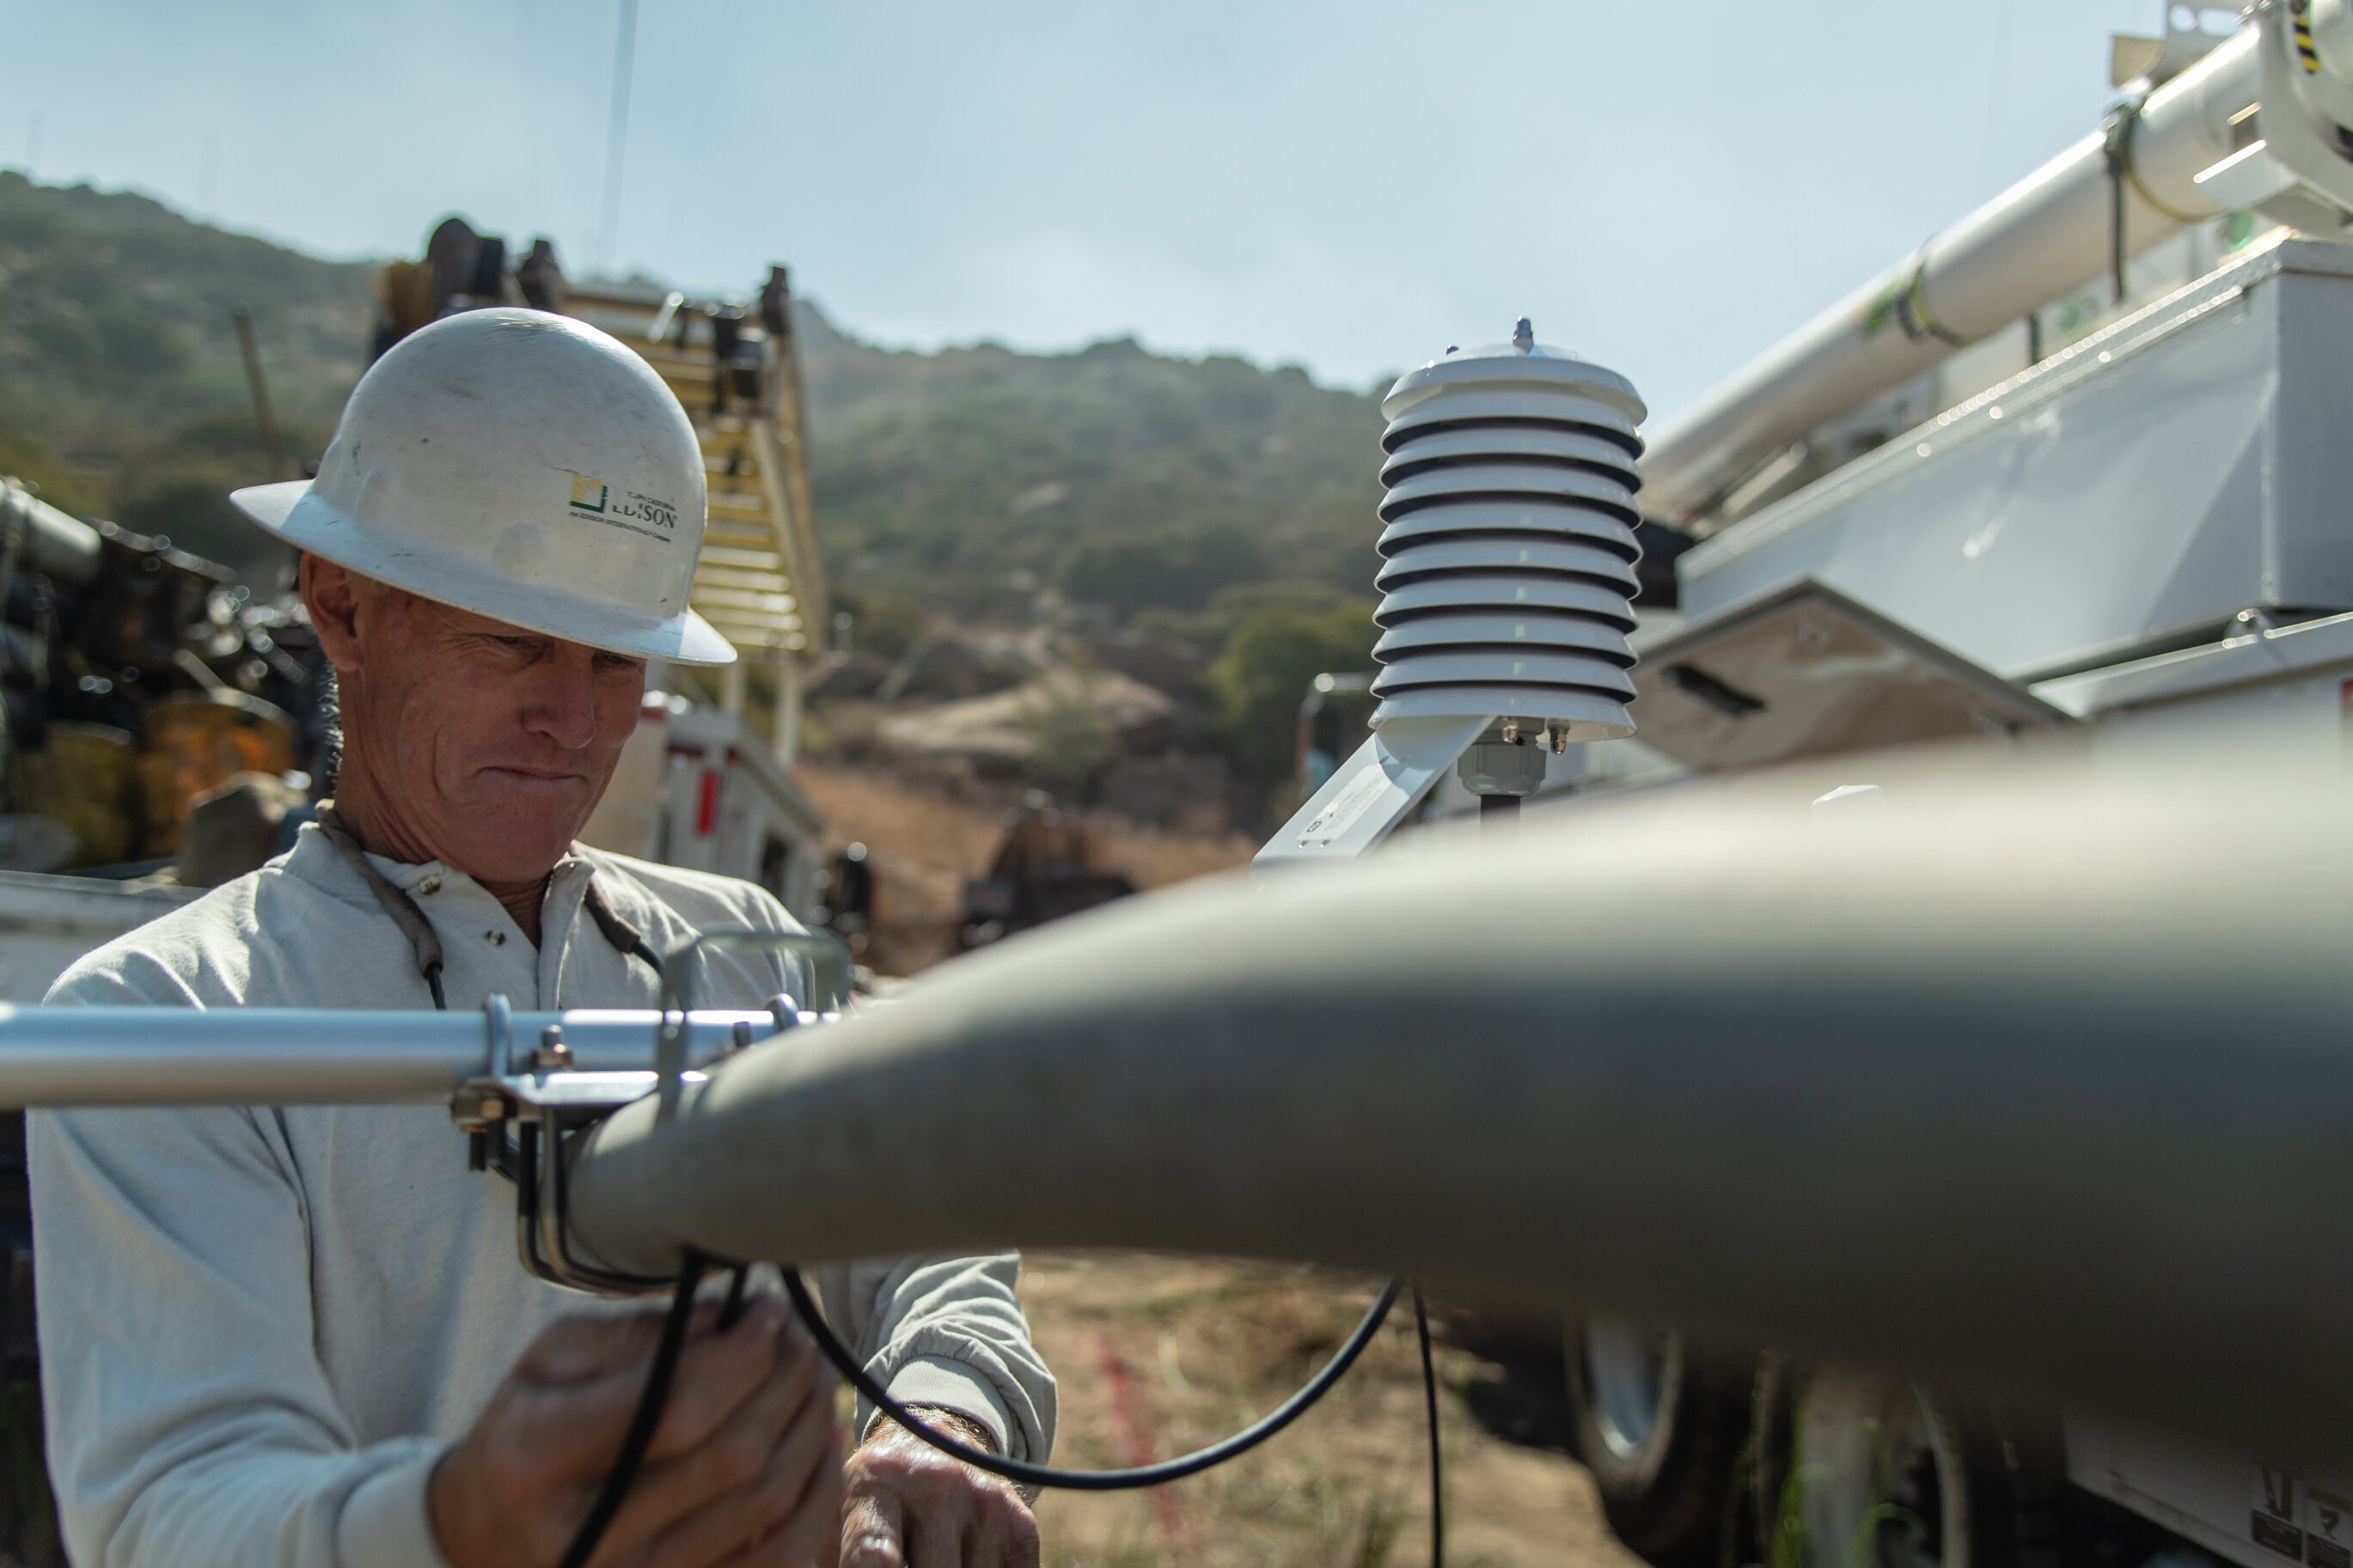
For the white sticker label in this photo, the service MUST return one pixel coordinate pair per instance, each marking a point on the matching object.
(1344, 810)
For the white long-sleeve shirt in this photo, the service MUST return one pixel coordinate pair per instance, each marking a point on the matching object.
(261, 1327)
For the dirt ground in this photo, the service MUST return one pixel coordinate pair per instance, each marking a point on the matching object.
(1159, 1356)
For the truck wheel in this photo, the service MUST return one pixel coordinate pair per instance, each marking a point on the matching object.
(1866, 1467)
(1660, 1425)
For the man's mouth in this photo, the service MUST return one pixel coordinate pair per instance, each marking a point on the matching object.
(535, 775)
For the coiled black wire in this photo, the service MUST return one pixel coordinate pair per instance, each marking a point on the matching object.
(1023, 1472)
(663, 1371)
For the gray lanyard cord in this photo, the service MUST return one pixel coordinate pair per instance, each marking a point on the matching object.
(624, 937)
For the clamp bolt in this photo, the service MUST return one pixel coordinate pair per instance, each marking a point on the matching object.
(552, 1055)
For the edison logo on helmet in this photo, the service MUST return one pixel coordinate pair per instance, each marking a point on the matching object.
(594, 498)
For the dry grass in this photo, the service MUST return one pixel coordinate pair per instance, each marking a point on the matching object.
(1159, 1356)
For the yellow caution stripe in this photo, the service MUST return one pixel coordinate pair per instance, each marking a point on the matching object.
(2303, 49)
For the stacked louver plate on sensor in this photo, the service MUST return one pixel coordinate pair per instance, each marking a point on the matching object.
(1507, 578)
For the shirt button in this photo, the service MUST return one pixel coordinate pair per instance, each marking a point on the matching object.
(429, 886)
(495, 938)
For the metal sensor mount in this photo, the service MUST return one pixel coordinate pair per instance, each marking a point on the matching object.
(1507, 584)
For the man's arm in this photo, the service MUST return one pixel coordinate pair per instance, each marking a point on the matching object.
(947, 1336)
(940, 1331)
(905, 1500)
(943, 1335)
(947, 1331)
(188, 1419)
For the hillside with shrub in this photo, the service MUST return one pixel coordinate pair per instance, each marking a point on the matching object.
(1190, 501)
(1122, 477)
(1116, 477)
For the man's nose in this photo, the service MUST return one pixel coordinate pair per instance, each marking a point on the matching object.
(562, 703)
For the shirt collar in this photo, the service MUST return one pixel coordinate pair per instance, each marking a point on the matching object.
(313, 855)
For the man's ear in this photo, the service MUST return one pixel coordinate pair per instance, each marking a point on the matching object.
(332, 595)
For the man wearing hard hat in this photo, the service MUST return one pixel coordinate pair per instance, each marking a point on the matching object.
(300, 1336)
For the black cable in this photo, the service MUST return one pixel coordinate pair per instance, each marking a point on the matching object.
(1027, 1474)
(2116, 258)
(642, 1421)
(1437, 1469)
(648, 1415)
(663, 1369)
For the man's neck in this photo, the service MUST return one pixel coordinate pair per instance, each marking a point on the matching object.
(381, 831)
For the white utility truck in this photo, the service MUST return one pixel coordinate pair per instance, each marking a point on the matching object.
(2079, 464)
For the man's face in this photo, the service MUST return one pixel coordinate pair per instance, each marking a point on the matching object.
(476, 743)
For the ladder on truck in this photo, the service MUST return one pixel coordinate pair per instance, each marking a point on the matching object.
(761, 581)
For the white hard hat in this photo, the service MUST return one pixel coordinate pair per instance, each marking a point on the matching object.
(523, 465)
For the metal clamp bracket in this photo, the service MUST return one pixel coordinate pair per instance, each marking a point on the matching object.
(518, 1117)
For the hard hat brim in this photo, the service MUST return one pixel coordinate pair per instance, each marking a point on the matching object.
(432, 571)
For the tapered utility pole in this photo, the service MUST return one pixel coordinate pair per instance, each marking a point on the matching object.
(273, 448)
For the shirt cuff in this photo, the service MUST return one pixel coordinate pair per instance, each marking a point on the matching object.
(385, 1523)
(951, 1386)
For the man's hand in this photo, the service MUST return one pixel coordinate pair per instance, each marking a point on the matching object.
(911, 1506)
(745, 1467)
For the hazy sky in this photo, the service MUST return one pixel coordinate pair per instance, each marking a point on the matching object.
(1349, 186)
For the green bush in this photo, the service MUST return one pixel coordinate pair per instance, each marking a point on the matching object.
(1074, 742)
(1259, 681)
